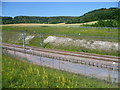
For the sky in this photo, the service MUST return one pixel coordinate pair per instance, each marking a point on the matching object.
(59, 0)
(52, 8)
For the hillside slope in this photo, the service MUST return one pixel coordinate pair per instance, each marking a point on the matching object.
(95, 15)
(100, 14)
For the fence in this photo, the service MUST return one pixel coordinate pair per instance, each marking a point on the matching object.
(58, 62)
(37, 39)
(100, 27)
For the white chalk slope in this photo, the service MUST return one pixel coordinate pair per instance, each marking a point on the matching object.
(90, 44)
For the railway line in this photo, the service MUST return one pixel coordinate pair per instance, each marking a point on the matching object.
(100, 66)
(68, 53)
(100, 61)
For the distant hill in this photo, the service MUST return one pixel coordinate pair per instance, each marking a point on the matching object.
(100, 14)
(95, 15)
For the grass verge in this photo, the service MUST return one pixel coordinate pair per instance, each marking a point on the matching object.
(21, 74)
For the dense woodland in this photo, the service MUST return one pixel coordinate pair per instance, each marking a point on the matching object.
(99, 14)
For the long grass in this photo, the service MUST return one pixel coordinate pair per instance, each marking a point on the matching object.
(21, 74)
(11, 34)
(72, 32)
(65, 30)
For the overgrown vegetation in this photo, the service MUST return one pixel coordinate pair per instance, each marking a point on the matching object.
(99, 14)
(21, 74)
(64, 30)
(13, 34)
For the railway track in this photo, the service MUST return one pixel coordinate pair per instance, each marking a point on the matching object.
(68, 53)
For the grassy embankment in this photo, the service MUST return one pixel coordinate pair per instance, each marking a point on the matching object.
(0, 69)
(62, 31)
(21, 74)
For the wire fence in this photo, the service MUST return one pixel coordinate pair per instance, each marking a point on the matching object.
(87, 27)
(65, 63)
(99, 27)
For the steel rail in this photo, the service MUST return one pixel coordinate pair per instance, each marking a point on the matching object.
(108, 58)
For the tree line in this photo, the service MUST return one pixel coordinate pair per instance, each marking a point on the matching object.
(104, 23)
(99, 14)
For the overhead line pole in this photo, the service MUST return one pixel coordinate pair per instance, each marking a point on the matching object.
(41, 43)
(23, 38)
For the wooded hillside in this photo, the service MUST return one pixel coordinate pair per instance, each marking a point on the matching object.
(99, 14)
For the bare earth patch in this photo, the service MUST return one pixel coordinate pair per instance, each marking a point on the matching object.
(90, 44)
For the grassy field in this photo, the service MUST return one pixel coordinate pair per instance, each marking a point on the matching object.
(65, 30)
(69, 31)
(21, 74)
(37, 24)
(0, 70)
(11, 34)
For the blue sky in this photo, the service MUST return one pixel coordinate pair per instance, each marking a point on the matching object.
(52, 8)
